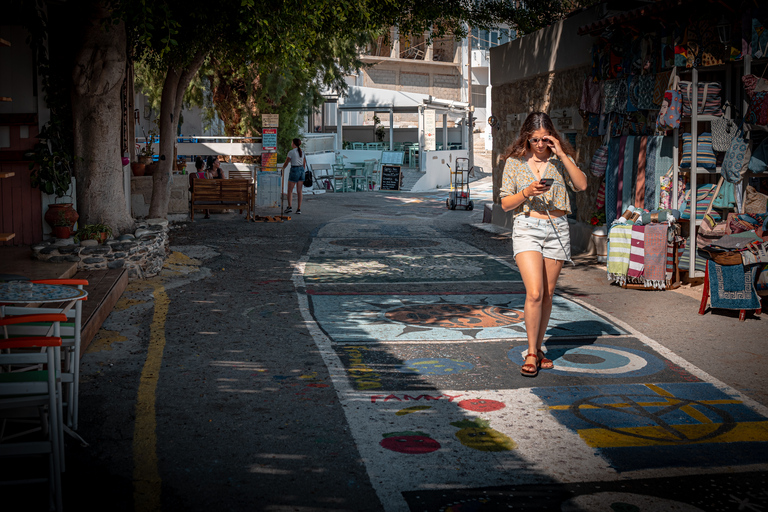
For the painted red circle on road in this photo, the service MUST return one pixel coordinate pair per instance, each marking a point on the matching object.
(410, 444)
(481, 405)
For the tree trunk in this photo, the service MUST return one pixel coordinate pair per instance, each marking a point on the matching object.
(176, 82)
(98, 74)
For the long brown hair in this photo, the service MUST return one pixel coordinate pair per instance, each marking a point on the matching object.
(298, 146)
(535, 121)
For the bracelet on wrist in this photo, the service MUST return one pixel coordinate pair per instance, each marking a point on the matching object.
(523, 192)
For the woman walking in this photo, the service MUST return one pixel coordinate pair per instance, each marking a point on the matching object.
(296, 174)
(539, 165)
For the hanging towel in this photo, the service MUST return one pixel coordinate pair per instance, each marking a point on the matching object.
(651, 182)
(640, 181)
(611, 177)
(620, 176)
(630, 165)
(636, 251)
(655, 257)
(619, 243)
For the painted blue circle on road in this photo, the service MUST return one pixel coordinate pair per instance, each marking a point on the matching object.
(602, 361)
(436, 366)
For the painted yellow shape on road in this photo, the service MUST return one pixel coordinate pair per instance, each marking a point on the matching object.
(415, 408)
(695, 434)
(104, 340)
(146, 474)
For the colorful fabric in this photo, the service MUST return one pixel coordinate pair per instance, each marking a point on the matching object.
(600, 202)
(654, 264)
(615, 96)
(620, 176)
(518, 175)
(599, 161)
(704, 196)
(640, 180)
(611, 179)
(619, 246)
(642, 92)
(732, 286)
(705, 156)
(636, 252)
(593, 125)
(652, 182)
(630, 166)
(707, 99)
(590, 96)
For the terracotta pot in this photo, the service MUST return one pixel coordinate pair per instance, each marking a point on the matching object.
(150, 169)
(138, 168)
(59, 214)
(61, 231)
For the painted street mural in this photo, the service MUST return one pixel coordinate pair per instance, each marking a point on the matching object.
(424, 337)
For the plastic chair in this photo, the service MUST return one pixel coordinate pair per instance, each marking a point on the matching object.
(36, 388)
(358, 145)
(71, 331)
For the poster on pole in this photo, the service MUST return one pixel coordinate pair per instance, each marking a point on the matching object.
(269, 161)
(269, 139)
(429, 130)
(270, 120)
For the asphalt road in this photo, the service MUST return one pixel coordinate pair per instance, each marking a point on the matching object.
(365, 356)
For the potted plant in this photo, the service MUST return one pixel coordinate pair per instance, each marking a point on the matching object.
(61, 223)
(145, 154)
(99, 232)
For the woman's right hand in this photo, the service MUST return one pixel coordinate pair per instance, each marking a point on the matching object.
(535, 189)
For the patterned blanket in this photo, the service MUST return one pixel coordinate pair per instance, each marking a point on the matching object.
(655, 261)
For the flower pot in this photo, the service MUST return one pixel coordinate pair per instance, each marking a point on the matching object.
(61, 215)
(61, 231)
(150, 169)
(138, 168)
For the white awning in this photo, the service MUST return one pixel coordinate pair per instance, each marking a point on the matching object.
(399, 102)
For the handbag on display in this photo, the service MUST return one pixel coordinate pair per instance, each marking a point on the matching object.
(736, 160)
(757, 92)
(723, 131)
(659, 88)
(669, 114)
(707, 98)
(705, 157)
(759, 161)
(599, 161)
(590, 96)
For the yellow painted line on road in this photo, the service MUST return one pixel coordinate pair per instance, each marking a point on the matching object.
(641, 404)
(146, 474)
(756, 431)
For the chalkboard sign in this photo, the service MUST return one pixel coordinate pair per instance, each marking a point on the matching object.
(390, 177)
(392, 158)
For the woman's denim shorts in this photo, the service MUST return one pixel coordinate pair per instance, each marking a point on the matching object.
(296, 174)
(532, 234)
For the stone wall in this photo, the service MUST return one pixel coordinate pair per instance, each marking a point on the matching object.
(546, 92)
(141, 253)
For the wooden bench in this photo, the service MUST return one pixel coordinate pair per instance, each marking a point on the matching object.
(230, 194)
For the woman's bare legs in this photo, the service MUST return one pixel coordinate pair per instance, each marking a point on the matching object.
(290, 194)
(540, 278)
(299, 188)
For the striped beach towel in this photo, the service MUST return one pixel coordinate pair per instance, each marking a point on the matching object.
(619, 243)
(636, 253)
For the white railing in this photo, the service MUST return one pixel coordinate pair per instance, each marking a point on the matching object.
(318, 142)
(209, 145)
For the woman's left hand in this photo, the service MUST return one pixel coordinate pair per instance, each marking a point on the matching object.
(554, 145)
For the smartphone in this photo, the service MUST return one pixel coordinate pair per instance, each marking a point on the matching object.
(547, 181)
